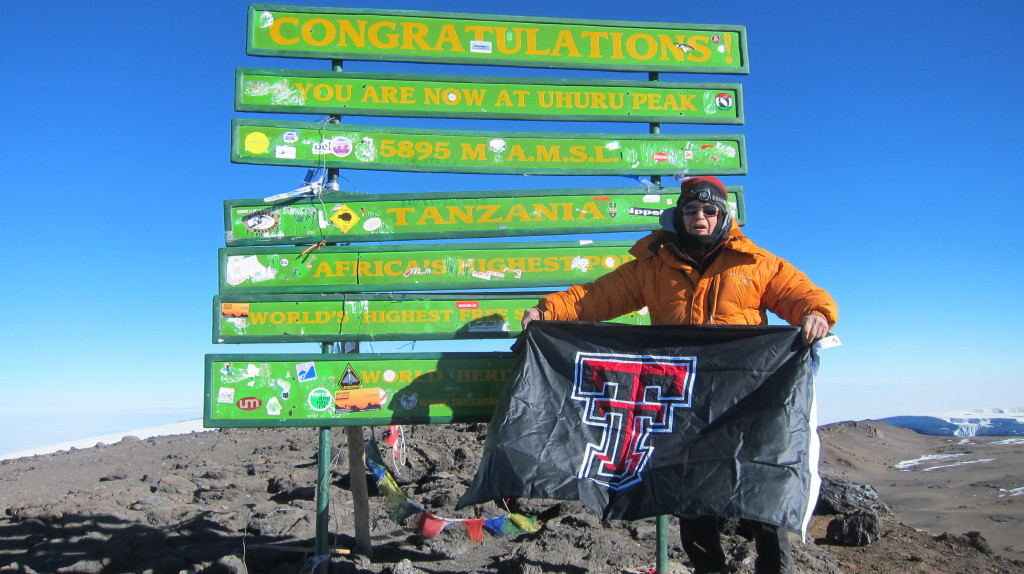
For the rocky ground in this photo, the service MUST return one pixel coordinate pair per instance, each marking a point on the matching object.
(243, 500)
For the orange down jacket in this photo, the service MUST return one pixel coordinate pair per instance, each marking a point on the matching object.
(736, 289)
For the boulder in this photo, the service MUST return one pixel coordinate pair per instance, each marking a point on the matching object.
(854, 529)
(842, 496)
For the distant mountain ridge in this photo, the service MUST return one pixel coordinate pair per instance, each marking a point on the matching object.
(979, 422)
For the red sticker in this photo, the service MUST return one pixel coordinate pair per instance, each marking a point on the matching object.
(249, 403)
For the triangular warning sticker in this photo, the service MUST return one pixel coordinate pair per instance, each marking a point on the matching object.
(344, 218)
(350, 379)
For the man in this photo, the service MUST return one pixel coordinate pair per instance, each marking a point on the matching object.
(701, 269)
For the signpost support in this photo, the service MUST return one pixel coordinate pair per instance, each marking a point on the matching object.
(661, 528)
(323, 490)
(323, 498)
(661, 566)
(323, 502)
(354, 434)
(333, 173)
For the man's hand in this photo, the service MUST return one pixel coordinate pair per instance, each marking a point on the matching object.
(813, 327)
(531, 314)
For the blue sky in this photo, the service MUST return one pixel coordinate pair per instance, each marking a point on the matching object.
(882, 142)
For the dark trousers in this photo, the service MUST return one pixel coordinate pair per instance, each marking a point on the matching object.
(703, 545)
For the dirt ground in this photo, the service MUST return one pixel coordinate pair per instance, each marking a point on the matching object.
(243, 500)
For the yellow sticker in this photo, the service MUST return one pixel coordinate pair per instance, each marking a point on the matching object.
(256, 142)
(344, 218)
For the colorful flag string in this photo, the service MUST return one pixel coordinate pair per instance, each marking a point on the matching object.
(428, 524)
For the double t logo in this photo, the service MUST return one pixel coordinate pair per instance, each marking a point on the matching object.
(629, 397)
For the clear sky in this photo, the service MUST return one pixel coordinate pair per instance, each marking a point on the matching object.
(883, 143)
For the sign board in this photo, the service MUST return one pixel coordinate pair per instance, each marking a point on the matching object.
(346, 94)
(407, 149)
(434, 37)
(350, 217)
(375, 317)
(370, 268)
(351, 390)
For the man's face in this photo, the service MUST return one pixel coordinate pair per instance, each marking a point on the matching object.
(696, 220)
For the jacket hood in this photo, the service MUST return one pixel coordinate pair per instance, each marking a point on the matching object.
(668, 220)
(648, 245)
(671, 222)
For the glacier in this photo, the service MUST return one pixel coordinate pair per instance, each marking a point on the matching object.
(978, 422)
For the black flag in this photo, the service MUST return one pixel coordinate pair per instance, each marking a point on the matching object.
(641, 421)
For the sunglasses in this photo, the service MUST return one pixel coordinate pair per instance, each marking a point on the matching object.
(709, 210)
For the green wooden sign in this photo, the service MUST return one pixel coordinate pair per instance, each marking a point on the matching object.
(348, 390)
(448, 151)
(363, 94)
(350, 217)
(354, 269)
(435, 37)
(370, 317)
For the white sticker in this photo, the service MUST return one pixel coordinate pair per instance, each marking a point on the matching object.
(494, 326)
(341, 146)
(226, 395)
(651, 198)
(284, 152)
(266, 274)
(305, 371)
(240, 268)
(726, 150)
(580, 264)
(497, 145)
(358, 306)
(366, 151)
(480, 46)
(286, 387)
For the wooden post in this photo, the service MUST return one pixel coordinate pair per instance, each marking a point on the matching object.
(360, 496)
